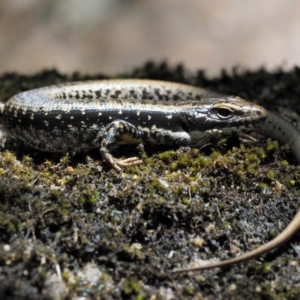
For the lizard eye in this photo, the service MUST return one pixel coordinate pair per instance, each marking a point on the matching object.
(224, 112)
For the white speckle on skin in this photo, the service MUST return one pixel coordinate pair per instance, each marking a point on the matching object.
(95, 127)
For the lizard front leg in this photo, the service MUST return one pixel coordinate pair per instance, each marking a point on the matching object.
(120, 132)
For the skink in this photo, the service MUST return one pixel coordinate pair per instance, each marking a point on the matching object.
(104, 114)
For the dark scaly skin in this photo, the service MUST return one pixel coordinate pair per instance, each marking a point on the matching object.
(104, 114)
(281, 130)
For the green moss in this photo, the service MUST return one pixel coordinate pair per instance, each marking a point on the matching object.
(272, 145)
(194, 188)
(93, 197)
(292, 182)
(60, 213)
(185, 200)
(173, 166)
(130, 286)
(284, 163)
(262, 186)
(270, 175)
(159, 185)
(178, 189)
(167, 156)
(215, 155)
(251, 169)
(267, 267)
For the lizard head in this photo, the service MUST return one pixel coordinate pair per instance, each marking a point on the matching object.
(225, 116)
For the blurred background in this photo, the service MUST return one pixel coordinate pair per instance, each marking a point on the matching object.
(113, 36)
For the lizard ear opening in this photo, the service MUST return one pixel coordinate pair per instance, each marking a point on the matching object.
(184, 126)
